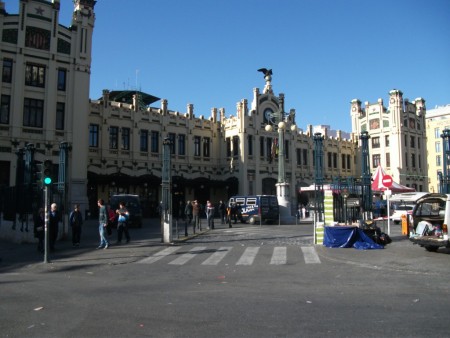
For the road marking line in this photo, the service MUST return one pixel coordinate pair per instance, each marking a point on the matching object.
(217, 256)
(279, 256)
(310, 255)
(248, 256)
(161, 254)
(188, 256)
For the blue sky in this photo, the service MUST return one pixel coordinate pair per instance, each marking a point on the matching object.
(323, 53)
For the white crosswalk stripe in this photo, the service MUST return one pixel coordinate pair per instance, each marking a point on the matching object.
(310, 255)
(217, 256)
(248, 256)
(279, 255)
(183, 259)
(161, 254)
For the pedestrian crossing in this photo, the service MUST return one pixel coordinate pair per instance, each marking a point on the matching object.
(240, 256)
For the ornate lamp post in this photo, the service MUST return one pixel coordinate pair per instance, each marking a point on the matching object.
(282, 186)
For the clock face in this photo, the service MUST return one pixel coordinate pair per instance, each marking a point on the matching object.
(269, 116)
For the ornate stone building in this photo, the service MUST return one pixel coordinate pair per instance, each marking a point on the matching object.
(397, 137)
(116, 140)
(45, 87)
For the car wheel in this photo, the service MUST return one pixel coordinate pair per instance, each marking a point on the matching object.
(431, 248)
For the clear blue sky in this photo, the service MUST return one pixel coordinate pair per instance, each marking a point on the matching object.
(323, 53)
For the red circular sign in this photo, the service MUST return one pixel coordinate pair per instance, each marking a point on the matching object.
(387, 181)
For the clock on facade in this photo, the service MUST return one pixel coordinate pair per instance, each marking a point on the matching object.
(269, 116)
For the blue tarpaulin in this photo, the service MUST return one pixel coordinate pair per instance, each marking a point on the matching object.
(348, 237)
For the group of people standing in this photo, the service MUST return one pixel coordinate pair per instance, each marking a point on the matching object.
(106, 220)
(193, 211)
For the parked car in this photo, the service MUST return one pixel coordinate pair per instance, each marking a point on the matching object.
(429, 222)
(133, 205)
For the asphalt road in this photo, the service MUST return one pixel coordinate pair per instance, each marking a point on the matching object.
(248, 281)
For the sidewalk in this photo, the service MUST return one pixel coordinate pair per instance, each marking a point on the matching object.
(15, 255)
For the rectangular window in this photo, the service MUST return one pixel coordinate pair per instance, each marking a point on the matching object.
(93, 135)
(269, 148)
(125, 138)
(299, 156)
(228, 140)
(438, 160)
(235, 145)
(60, 112)
(375, 142)
(413, 160)
(406, 140)
(286, 150)
(62, 75)
(376, 160)
(334, 160)
(261, 146)
(206, 146)
(7, 70)
(181, 144)
(143, 144)
(330, 163)
(412, 142)
(4, 109)
(113, 137)
(35, 75)
(305, 157)
(386, 140)
(388, 160)
(250, 145)
(349, 162)
(437, 147)
(437, 133)
(33, 113)
(172, 138)
(155, 142)
(343, 161)
(406, 159)
(197, 145)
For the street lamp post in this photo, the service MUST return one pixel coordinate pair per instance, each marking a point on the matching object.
(282, 185)
(345, 195)
(166, 217)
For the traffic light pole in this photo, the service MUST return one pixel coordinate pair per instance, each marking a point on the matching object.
(46, 260)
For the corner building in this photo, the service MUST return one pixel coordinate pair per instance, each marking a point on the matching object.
(398, 138)
(45, 87)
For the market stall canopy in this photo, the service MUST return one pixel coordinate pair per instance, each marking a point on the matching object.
(377, 184)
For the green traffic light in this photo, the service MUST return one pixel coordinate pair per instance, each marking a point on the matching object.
(47, 180)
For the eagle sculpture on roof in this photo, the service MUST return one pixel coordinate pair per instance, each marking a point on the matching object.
(265, 71)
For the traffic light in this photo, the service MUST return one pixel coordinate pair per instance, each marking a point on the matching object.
(37, 174)
(47, 172)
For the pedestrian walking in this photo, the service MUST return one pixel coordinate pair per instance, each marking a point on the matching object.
(39, 229)
(188, 215)
(53, 225)
(210, 214)
(75, 221)
(229, 215)
(122, 223)
(222, 212)
(196, 216)
(102, 222)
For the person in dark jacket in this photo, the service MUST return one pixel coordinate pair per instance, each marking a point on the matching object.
(39, 229)
(53, 225)
(222, 212)
(188, 216)
(75, 221)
